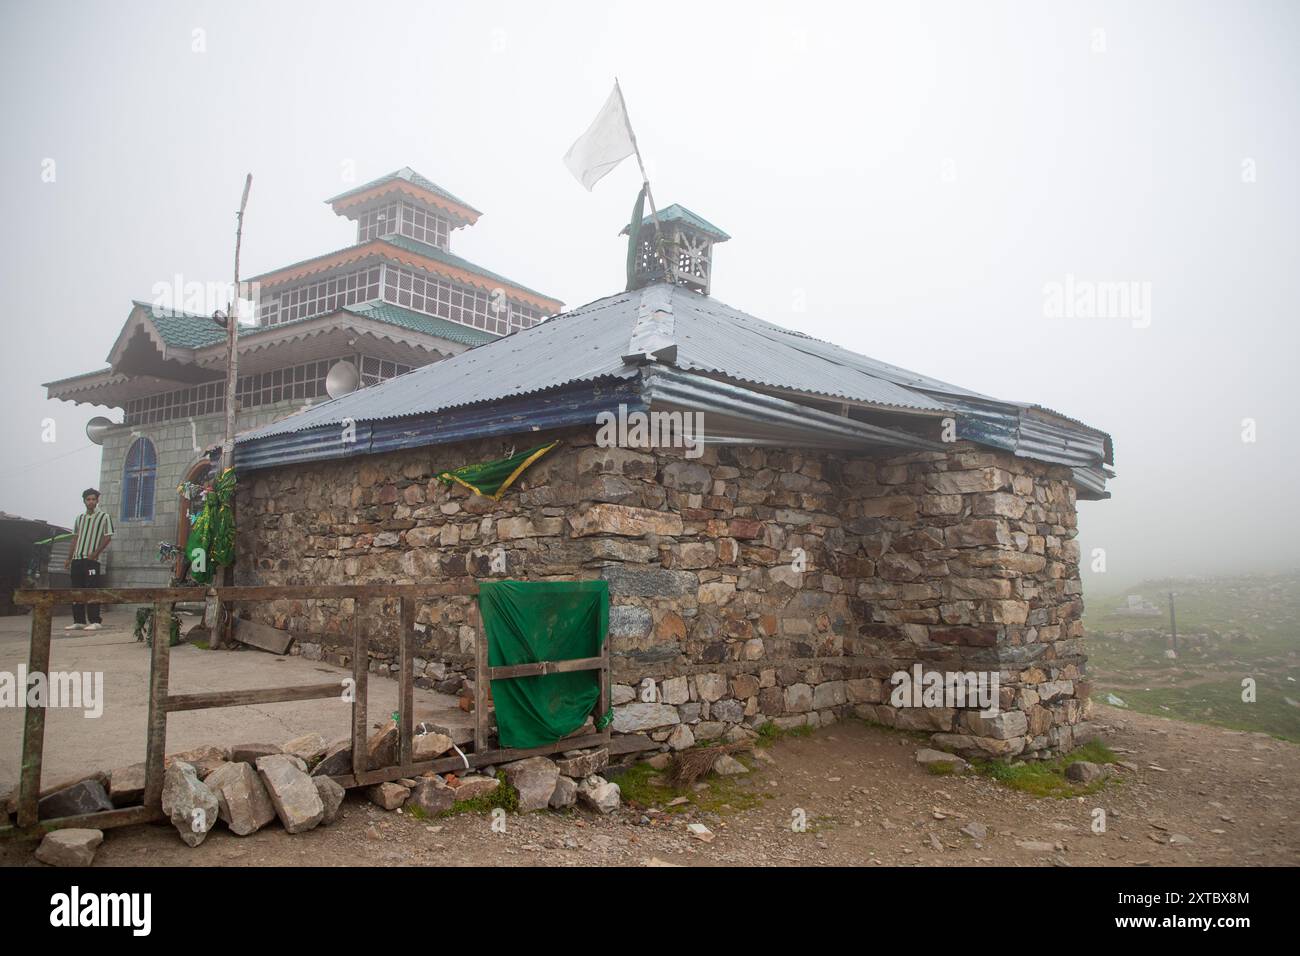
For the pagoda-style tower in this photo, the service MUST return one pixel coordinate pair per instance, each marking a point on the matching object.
(395, 299)
(680, 250)
(405, 203)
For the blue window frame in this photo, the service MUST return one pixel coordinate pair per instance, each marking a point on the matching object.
(139, 476)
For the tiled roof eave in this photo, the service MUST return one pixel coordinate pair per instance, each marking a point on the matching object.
(378, 248)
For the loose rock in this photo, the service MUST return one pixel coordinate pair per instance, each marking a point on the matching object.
(431, 796)
(71, 847)
(565, 794)
(599, 794)
(88, 796)
(534, 778)
(293, 794)
(331, 798)
(308, 747)
(189, 804)
(389, 795)
(244, 804)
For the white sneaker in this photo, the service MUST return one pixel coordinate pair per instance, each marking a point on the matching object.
(94, 627)
(75, 627)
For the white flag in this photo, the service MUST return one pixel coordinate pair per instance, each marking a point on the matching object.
(607, 142)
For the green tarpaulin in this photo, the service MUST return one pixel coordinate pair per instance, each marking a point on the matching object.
(492, 478)
(531, 621)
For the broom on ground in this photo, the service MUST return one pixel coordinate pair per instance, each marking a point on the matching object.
(689, 765)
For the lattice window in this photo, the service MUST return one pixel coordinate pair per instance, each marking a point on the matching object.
(321, 297)
(380, 221)
(455, 302)
(425, 225)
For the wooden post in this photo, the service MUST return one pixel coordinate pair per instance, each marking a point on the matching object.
(602, 702)
(360, 676)
(482, 684)
(159, 670)
(1173, 623)
(406, 699)
(38, 662)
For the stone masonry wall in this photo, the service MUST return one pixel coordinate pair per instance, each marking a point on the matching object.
(960, 561)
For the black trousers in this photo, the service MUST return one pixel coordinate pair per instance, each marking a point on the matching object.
(85, 574)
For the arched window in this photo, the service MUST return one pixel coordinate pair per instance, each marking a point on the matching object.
(138, 479)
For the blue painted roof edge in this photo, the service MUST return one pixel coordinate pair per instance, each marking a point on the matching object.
(576, 405)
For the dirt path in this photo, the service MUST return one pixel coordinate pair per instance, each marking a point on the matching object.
(1233, 795)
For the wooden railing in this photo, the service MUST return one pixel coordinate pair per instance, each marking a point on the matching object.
(161, 702)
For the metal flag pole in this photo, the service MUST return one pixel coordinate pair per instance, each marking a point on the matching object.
(670, 272)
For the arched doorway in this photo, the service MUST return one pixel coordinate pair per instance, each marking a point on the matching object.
(198, 474)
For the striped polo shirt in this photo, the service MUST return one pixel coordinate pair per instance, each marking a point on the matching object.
(91, 530)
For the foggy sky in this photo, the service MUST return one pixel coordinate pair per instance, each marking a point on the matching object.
(902, 179)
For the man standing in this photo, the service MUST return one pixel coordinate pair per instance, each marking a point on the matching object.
(91, 534)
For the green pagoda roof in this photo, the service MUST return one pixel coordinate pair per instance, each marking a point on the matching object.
(676, 213)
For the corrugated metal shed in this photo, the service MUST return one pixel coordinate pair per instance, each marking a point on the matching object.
(673, 345)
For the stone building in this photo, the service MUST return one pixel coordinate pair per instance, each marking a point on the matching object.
(394, 300)
(842, 521)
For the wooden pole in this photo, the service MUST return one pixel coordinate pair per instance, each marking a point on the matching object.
(156, 730)
(232, 333)
(406, 700)
(38, 662)
(232, 384)
(360, 676)
(482, 685)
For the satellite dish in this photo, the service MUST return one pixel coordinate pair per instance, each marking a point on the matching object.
(97, 429)
(342, 379)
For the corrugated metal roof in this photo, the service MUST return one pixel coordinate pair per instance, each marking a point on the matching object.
(714, 337)
(583, 345)
(699, 341)
(590, 343)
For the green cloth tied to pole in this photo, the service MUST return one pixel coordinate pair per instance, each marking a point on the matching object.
(531, 621)
(213, 531)
(492, 478)
(634, 239)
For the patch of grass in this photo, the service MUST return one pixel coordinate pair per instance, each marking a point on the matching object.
(1046, 778)
(1220, 704)
(921, 736)
(644, 786)
(201, 645)
(941, 768)
(641, 784)
(505, 796)
(769, 732)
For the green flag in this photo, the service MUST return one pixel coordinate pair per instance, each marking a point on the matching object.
(492, 478)
(634, 238)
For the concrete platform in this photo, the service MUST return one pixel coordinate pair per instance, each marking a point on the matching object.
(76, 744)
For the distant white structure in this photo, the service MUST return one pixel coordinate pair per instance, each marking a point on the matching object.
(1138, 606)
